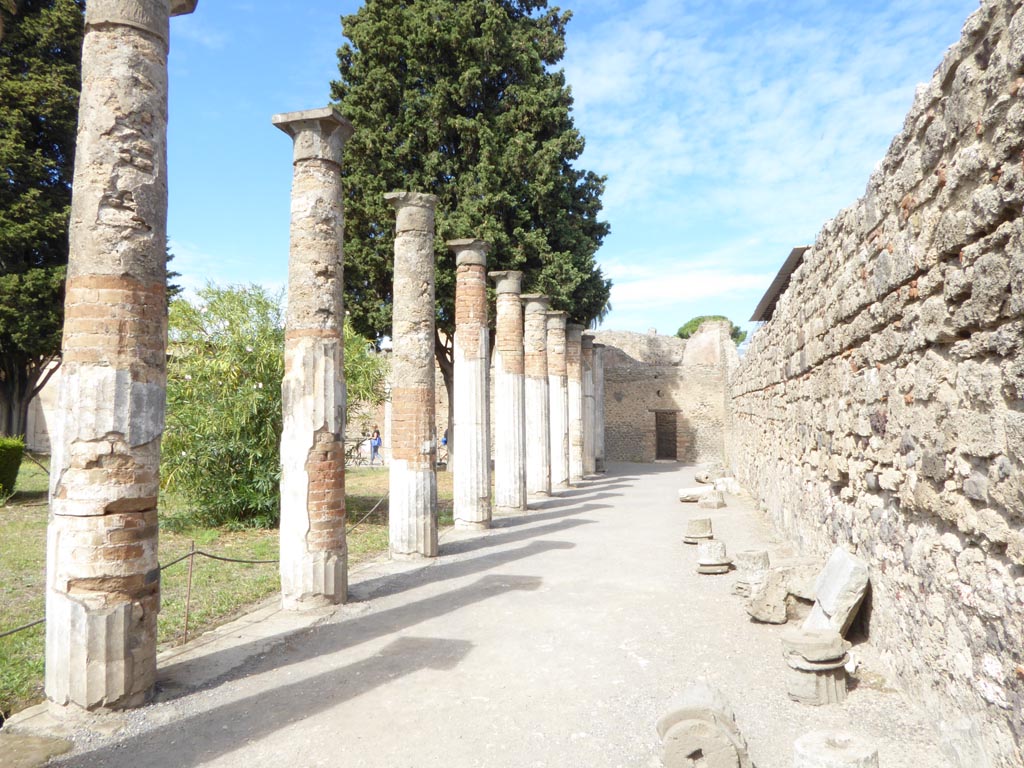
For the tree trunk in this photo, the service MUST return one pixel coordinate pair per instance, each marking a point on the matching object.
(18, 386)
(443, 353)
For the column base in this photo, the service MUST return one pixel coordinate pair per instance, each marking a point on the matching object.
(508, 511)
(322, 581)
(472, 525)
(407, 556)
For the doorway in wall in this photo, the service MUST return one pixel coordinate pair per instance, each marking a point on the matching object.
(665, 436)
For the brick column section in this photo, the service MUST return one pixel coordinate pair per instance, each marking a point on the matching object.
(558, 399)
(102, 575)
(599, 465)
(509, 395)
(538, 399)
(574, 384)
(313, 553)
(472, 459)
(413, 474)
(587, 364)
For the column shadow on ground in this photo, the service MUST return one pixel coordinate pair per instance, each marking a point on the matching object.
(536, 514)
(508, 535)
(350, 630)
(203, 737)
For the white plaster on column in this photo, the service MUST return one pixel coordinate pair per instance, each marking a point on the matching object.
(559, 400)
(587, 364)
(574, 387)
(538, 399)
(509, 396)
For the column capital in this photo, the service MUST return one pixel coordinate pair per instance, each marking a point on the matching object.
(148, 15)
(557, 320)
(587, 341)
(414, 211)
(574, 331)
(318, 134)
(470, 251)
(507, 281)
(536, 302)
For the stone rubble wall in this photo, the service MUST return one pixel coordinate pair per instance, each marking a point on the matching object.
(882, 407)
(646, 373)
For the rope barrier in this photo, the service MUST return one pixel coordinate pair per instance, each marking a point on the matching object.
(200, 552)
(35, 623)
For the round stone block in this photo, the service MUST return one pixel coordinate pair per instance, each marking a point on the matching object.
(712, 552)
(833, 749)
(714, 570)
(698, 742)
(814, 644)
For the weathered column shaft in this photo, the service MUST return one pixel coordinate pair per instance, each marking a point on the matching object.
(471, 462)
(102, 575)
(587, 365)
(559, 400)
(574, 377)
(599, 459)
(413, 478)
(538, 400)
(509, 395)
(313, 552)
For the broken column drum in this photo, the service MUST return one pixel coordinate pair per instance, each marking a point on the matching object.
(472, 458)
(599, 457)
(509, 395)
(413, 479)
(833, 749)
(815, 661)
(699, 729)
(587, 389)
(538, 401)
(698, 529)
(102, 574)
(751, 571)
(559, 400)
(574, 389)
(712, 558)
(313, 551)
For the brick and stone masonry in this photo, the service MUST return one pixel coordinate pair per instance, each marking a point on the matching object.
(538, 401)
(882, 406)
(313, 551)
(509, 395)
(574, 385)
(559, 400)
(598, 374)
(413, 478)
(587, 363)
(471, 461)
(102, 575)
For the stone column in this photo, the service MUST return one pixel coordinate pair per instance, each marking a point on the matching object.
(538, 405)
(313, 554)
(472, 460)
(587, 364)
(599, 407)
(102, 575)
(574, 377)
(559, 400)
(413, 478)
(509, 395)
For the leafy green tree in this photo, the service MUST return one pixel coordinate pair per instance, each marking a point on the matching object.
(39, 88)
(221, 447)
(687, 329)
(460, 98)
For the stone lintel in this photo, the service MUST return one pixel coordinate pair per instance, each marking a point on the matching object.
(319, 134)
(471, 251)
(507, 281)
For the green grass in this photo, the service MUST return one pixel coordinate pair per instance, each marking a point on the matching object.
(220, 591)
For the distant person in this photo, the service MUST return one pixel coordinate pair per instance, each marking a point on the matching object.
(375, 443)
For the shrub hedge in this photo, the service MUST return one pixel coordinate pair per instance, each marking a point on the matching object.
(11, 450)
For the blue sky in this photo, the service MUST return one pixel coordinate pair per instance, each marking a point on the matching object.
(729, 131)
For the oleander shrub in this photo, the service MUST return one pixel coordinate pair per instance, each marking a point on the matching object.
(11, 450)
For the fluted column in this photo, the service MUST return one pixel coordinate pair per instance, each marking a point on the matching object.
(599, 459)
(538, 404)
(559, 400)
(574, 388)
(314, 558)
(413, 479)
(102, 574)
(587, 365)
(472, 460)
(509, 395)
